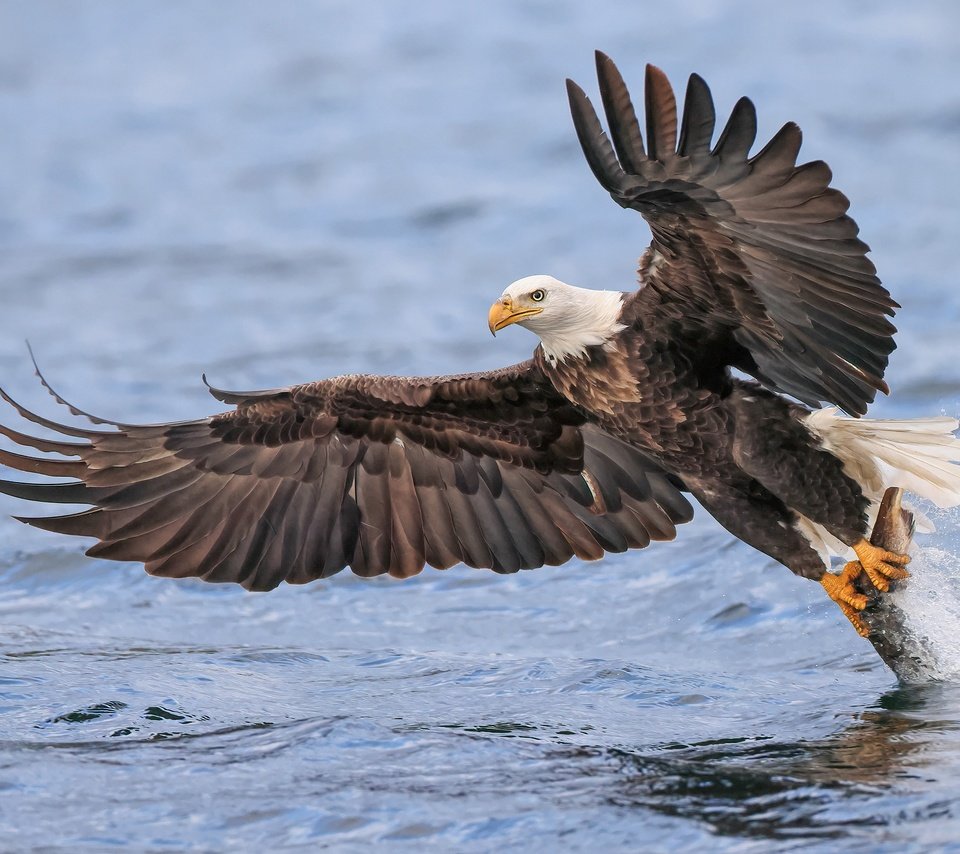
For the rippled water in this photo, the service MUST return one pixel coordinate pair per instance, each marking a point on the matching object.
(286, 191)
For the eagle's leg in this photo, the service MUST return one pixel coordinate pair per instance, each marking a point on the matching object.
(751, 512)
(773, 444)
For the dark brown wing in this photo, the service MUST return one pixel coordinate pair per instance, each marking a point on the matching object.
(382, 474)
(755, 252)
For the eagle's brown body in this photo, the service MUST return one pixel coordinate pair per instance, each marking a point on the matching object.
(630, 401)
(742, 450)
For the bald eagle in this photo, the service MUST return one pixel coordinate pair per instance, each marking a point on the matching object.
(629, 401)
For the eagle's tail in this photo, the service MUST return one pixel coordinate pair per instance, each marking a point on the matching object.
(921, 455)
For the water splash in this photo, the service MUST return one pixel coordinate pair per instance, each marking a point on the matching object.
(917, 626)
(930, 604)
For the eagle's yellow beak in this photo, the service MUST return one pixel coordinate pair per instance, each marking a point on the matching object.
(503, 313)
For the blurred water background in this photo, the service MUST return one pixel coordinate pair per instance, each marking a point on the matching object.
(275, 192)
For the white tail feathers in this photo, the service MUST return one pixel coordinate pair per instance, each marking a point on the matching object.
(921, 455)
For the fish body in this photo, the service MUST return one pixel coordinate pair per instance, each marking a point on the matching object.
(906, 654)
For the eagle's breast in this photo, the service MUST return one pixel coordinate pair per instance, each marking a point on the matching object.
(602, 381)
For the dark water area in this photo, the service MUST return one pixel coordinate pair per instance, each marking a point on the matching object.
(272, 193)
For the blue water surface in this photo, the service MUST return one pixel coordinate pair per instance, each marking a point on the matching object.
(282, 191)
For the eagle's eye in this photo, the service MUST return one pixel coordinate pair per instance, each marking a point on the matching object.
(537, 295)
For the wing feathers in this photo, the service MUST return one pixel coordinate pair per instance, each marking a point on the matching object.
(68, 449)
(62, 429)
(407, 552)
(53, 468)
(699, 119)
(297, 484)
(778, 157)
(596, 146)
(738, 136)
(758, 248)
(624, 127)
(661, 107)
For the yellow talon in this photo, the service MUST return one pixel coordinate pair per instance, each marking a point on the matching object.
(840, 588)
(881, 566)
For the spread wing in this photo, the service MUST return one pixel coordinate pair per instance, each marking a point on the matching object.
(756, 254)
(382, 474)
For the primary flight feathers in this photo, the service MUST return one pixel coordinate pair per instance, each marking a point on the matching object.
(382, 474)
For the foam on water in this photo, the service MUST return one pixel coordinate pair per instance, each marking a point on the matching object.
(930, 602)
(921, 618)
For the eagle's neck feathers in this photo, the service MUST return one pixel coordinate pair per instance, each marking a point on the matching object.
(591, 319)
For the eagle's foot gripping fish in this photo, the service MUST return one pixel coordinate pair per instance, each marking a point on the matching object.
(840, 588)
(879, 565)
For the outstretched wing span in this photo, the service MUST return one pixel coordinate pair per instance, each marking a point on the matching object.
(382, 474)
(755, 254)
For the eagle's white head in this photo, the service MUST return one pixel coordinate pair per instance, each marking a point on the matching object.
(566, 318)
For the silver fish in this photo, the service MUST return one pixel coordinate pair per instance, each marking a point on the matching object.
(907, 655)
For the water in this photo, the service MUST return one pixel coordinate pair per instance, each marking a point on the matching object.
(929, 605)
(295, 190)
